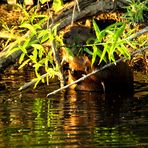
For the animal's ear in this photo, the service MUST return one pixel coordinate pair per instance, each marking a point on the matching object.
(77, 35)
(66, 37)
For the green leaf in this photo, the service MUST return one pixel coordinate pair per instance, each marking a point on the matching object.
(88, 51)
(114, 41)
(29, 26)
(43, 80)
(37, 66)
(94, 55)
(45, 38)
(99, 53)
(32, 41)
(41, 16)
(51, 37)
(41, 53)
(23, 49)
(97, 30)
(37, 46)
(26, 43)
(124, 51)
(37, 26)
(37, 82)
(21, 58)
(35, 54)
(12, 51)
(130, 44)
(43, 35)
(102, 57)
(40, 49)
(32, 58)
(57, 4)
(24, 63)
(114, 26)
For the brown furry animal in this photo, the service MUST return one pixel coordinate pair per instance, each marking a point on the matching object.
(117, 77)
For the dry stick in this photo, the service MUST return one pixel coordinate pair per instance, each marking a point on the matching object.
(78, 7)
(72, 18)
(73, 13)
(95, 71)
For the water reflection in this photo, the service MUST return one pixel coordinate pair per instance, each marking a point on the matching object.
(98, 119)
(71, 119)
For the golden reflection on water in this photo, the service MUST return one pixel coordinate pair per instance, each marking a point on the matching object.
(71, 119)
(87, 111)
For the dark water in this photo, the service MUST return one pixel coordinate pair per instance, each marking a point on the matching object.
(71, 119)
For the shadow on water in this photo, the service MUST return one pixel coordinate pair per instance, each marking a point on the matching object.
(71, 119)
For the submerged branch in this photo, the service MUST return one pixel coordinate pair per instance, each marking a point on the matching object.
(95, 71)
